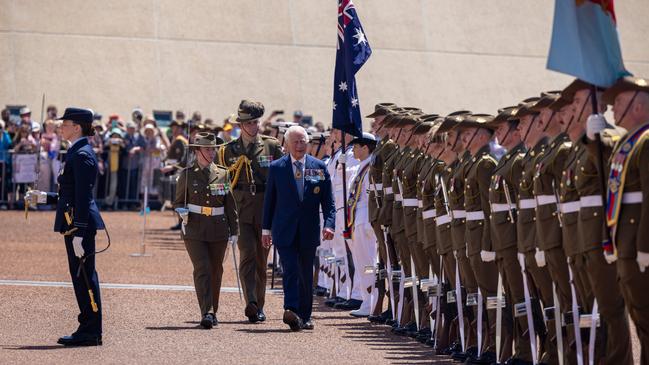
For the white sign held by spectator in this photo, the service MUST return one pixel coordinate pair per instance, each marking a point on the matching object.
(24, 168)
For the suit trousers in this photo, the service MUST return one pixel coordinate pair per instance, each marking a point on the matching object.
(297, 279)
(252, 264)
(207, 259)
(89, 321)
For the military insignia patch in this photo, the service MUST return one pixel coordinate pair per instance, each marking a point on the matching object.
(316, 190)
(264, 161)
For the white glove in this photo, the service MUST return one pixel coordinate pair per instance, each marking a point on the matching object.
(487, 256)
(610, 258)
(77, 247)
(643, 260)
(539, 256)
(234, 240)
(595, 124)
(342, 158)
(36, 197)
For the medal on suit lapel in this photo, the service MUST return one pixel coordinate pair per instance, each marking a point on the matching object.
(316, 190)
(298, 174)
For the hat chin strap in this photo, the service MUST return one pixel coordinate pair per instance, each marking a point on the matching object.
(243, 129)
(628, 107)
(529, 128)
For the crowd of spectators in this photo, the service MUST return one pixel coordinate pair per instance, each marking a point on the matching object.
(131, 153)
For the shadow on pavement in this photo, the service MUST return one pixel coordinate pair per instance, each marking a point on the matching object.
(402, 350)
(37, 347)
(174, 328)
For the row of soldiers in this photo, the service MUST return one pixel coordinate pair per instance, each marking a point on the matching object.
(518, 237)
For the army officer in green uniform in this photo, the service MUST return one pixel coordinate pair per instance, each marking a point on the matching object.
(248, 159)
(209, 215)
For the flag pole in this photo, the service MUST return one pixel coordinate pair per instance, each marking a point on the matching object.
(600, 160)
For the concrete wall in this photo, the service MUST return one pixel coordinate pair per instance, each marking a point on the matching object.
(207, 55)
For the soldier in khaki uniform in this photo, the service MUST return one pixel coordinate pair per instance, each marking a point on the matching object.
(627, 204)
(383, 149)
(458, 227)
(476, 132)
(210, 221)
(248, 159)
(592, 216)
(540, 283)
(503, 231)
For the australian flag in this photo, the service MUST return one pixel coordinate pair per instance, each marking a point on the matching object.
(351, 53)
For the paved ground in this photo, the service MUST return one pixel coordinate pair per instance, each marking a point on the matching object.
(159, 325)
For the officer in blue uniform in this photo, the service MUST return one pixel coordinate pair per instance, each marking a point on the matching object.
(78, 219)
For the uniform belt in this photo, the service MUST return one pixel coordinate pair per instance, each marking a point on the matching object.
(545, 199)
(208, 211)
(634, 197)
(427, 214)
(409, 202)
(375, 187)
(591, 201)
(457, 214)
(526, 204)
(250, 188)
(443, 219)
(398, 197)
(478, 215)
(501, 207)
(570, 207)
(388, 191)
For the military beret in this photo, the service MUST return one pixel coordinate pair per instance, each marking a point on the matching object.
(78, 115)
(249, 110)
(625, 84)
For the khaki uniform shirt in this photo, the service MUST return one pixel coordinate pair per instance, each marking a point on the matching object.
(476, 200)
(428, 185)
(249, 190)
(397, 204)
(385, 213)
(526, 222)
(382, 150)
(505, 176)
(410, 172)
(456, 202)
(443, 230)
(208, 187)
(546, 187)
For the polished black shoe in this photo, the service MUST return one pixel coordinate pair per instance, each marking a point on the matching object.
(80, 340)
(308, 325)
(333, 301)
(176, 227)
(390, 322)
(261, 317)
(320, 291)
(252, 312)
(381, 318)
(517, 361)
(488, 357)
(454, 347)
(405, 330)
(423, 335)
(292, 320)
(351, 304)
(208, 321)
(470, 353)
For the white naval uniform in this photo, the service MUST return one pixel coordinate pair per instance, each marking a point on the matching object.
(363, 244)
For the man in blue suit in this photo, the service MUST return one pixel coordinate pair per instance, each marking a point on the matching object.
(78, 220)
(297, 188)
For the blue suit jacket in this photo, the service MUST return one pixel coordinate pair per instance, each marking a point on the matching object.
(76, 182)
(285, 215)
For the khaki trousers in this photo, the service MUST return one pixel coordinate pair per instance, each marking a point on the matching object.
(207, 259)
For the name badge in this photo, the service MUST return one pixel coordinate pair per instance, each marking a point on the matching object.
(314, 175)
(219, 189)
(264, 161)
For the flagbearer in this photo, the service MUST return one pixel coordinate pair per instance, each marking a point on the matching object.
(77, 219)
(211, 221)
(247, 159)
(363, 242)
(627, 206)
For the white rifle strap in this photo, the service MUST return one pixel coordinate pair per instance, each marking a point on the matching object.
(401, 296)
(389, 270)
(438, 299)
(458, 302)
(433, 303)
(337, 278)
(557, 323)
(528, 310)
(499, 317)
(591, 341)
(415, 289)
(348, 284)
(479, 326)
(575, 319)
